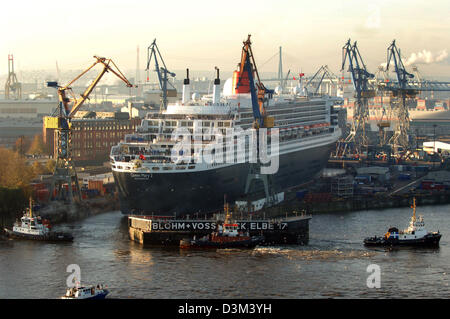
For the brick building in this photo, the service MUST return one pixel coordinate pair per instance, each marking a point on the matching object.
(93, 137)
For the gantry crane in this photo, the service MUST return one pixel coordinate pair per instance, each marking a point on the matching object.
(61, 121)
(258, 95)
(405, 87)
(323, 72)
(13, 88)
(360, 78)
(162, 72)
(401, 91)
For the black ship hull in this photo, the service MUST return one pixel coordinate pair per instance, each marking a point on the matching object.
(429, 240)
(179, 194)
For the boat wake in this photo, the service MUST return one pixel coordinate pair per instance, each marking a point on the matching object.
(313, 254)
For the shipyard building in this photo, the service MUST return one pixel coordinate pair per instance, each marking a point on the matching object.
(93, 134)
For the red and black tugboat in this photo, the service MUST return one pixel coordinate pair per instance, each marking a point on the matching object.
(227, 235)
(414, 235)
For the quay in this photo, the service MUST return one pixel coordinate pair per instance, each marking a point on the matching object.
(149, 230)
(359, 203)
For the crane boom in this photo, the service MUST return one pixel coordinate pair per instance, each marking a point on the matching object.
(325, 73)
(162, 72)
(402, 75)
(248, 65)
(79, 102)
(357, 68)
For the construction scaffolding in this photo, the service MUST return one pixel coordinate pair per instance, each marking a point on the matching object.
(342, 186)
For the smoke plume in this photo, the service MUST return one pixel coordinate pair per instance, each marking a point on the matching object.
(426, 57)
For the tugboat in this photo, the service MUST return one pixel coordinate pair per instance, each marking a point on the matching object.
(35, 228)
(90, 292)
(226, 236)
(414, 235)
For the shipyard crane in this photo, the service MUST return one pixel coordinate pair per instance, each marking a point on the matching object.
(247, 71)
(61, 122)
(405, 86)
(411, 84)
(12, 86)
(401, 90)
(162, 72)
(360, 78)
(258, 96)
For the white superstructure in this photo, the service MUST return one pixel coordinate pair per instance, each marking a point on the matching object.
(31, 226)
(302, 123)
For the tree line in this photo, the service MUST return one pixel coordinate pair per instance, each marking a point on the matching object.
(16, 175)
(35, 146)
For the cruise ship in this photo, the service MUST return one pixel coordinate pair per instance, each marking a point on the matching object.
(156, 175)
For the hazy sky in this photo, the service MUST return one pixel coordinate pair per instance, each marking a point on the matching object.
(201, 34)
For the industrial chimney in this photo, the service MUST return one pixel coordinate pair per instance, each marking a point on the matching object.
(186, 88)
(216, 92)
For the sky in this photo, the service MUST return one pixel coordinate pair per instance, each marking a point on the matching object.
(202, 34)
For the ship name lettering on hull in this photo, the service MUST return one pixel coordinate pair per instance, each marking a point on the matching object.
(140, 177)
(211, 226)
(175, 225)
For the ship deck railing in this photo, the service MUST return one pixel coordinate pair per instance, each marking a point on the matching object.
(166, 157)
(188, 117)
(148, 158)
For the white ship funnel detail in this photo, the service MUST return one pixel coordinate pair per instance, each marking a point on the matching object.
(186, 89)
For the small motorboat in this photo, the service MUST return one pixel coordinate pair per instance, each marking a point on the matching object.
(414, 235)
(88, 292)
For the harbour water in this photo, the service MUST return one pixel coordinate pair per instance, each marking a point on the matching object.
(334, 264)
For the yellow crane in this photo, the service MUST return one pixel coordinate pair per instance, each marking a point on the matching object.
(64, 168)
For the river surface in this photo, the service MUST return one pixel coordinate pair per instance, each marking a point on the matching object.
(334, 264)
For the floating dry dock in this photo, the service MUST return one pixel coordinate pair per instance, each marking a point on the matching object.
(149, 230)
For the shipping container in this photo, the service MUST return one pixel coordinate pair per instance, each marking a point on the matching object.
(97, 185)
(421, 104)
(301, 194)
